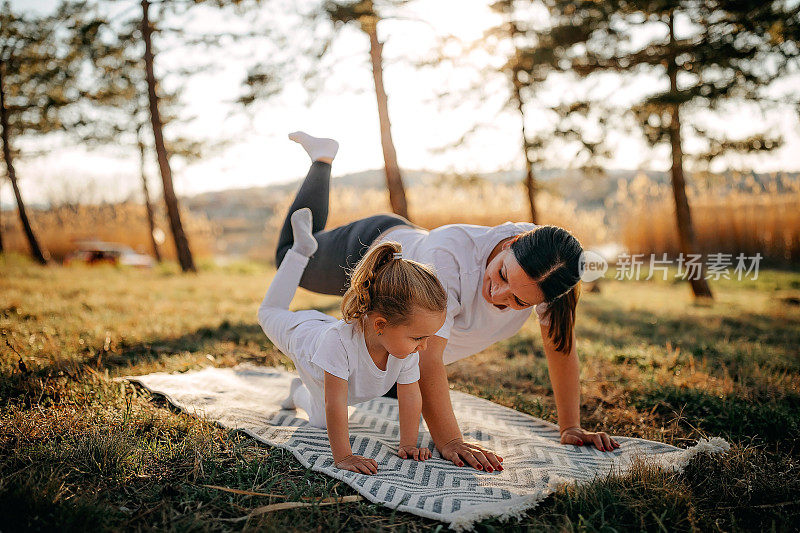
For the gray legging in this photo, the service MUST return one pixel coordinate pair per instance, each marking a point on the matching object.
(339, 248)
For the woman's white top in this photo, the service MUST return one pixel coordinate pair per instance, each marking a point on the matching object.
(317, 342)
(459, 253)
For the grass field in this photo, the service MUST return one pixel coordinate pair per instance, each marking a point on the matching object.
(79, 451)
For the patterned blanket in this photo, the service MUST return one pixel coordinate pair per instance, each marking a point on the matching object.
(248, 398)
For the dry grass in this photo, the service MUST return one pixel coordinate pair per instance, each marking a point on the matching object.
(763, 218)
(58, 229)
(485, 204)
(79, 451)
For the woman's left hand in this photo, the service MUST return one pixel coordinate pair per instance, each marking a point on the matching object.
(579, 436)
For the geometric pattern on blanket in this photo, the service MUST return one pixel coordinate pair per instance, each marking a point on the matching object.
(248, 398)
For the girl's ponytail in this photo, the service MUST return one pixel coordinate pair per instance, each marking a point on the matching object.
(357, 301)
(383, 281)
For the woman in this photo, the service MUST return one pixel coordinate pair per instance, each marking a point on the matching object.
(494, 277)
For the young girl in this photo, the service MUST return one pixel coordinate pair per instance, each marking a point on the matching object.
(390, 310)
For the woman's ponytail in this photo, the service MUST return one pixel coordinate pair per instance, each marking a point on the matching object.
(562, 319)
(550, 256)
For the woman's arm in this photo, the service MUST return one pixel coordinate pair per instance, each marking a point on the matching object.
(438, 412)
(565, 379)
(410, 405)
(338, 431)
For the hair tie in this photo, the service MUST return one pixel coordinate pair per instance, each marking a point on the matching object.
(397, 255)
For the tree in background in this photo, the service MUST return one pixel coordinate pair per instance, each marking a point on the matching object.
(366, 16)
(707, 56)
(157, 123)
(170, 199)
(266, 79)
(513, 58)
(38, 75)
(118, 89)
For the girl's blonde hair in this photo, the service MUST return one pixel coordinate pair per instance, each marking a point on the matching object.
(391, 286)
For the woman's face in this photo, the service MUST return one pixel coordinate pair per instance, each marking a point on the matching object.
(505, 283)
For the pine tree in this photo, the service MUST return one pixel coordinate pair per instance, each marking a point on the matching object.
(514, 58)
(265, 79)
(38, 85)
(117, 87)
(170, 199)
(725, 53)
(127, 82)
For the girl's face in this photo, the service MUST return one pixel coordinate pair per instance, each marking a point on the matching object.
(402, 340)
(505, 283)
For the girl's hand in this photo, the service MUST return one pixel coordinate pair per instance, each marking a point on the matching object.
(412, 452)
(579, 436)
(358, 464)
(475, 456)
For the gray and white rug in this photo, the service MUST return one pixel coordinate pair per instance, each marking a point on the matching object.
(248, 398)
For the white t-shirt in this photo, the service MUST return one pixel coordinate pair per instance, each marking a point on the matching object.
(319, 342)
(459, 253)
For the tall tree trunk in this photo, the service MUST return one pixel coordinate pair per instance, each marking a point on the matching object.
(147, 204)
(170, 200)
(38, 253)
(394, 180)
(530, 178)
(683, 214)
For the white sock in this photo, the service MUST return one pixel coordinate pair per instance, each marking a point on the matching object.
(316, 147)
(304, 242)
(288, 403)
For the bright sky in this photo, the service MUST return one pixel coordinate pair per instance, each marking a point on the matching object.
(260, 153)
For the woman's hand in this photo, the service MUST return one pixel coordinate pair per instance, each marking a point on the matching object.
(476, 456)
(579, 436)
(358, 464)
(412, 452)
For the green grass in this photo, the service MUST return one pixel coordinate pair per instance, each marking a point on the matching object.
(79, 451)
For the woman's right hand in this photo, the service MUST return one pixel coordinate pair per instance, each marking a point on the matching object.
(358, 464)
(476, 456)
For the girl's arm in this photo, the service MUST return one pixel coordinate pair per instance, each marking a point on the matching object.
(565, 379)
(438, 412)
(410, 404)
(338, 432)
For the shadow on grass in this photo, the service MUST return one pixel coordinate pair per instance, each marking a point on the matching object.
(205, 339)
(732, 417)
(228, 343)
(621, 328)
(36, 505)
(743, 490)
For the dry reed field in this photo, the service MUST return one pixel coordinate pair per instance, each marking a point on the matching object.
(486, 204)
(125, 223)
(740, 215)
(756, 218)
(79, 451)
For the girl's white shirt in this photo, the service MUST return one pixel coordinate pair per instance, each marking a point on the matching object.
(459, 253)
(317, 342)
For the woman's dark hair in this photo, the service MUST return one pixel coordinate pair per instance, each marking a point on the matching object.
(551, 257)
